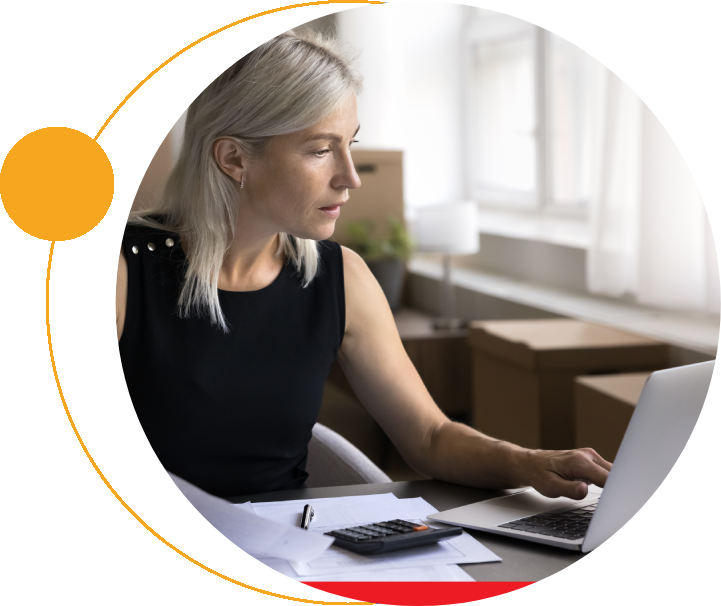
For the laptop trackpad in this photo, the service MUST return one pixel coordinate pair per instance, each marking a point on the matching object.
(491, 512)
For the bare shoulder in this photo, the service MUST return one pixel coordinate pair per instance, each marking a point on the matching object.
(352, 262)
(121, 293)
(356, 275)
(366, 305)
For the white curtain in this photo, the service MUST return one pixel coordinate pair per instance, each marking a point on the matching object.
(650, 236)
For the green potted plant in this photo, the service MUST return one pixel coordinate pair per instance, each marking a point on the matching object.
(386, 256)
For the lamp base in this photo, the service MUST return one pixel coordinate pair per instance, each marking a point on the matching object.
(449, 323)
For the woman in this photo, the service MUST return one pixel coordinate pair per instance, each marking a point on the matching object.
(232, 305)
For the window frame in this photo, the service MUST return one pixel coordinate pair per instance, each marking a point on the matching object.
(488, 26)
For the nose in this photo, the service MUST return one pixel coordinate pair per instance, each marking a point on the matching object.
(346, 176)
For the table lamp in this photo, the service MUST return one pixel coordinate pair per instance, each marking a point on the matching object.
(448, 229)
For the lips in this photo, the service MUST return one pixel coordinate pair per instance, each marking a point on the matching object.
(332, 210)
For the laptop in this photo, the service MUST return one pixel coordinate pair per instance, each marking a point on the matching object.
(661, 425)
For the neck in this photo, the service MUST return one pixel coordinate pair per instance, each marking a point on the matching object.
(250, 265)
(251, 262)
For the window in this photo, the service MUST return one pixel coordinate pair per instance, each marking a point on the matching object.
(532, 103)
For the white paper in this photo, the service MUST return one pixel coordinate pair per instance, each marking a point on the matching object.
(351, 511)
(255, 567)
(458, 550)
(337, 511)
(260, 537)
(444, 574)
(458, 574)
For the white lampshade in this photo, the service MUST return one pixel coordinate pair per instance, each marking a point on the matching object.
(449, 229)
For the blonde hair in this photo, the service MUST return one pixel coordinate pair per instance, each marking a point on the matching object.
(285, 85)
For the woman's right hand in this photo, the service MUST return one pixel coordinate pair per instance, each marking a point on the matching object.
(564, 473)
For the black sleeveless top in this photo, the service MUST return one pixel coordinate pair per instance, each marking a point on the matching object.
(231, 412)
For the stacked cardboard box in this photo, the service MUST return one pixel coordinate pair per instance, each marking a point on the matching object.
(524, 371)
(603, 408)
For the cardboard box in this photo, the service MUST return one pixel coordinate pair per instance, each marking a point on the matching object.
(603, 406)
(524, 371)
(380, 195)
(442, 359)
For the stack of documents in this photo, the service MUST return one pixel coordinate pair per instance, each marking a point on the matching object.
(437, 562)
(270, 532)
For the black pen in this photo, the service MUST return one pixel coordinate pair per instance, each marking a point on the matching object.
(308, 515)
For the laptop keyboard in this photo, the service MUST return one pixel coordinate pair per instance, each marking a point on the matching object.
(570, 525)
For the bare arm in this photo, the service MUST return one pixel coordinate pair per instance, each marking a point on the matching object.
(380, 372)
(121, 300)
(121, 294)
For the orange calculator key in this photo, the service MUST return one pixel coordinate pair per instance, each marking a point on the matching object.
(420, 528)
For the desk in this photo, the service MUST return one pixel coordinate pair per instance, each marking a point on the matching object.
(522, 560)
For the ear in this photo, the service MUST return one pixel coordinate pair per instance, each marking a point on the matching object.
(229, 158)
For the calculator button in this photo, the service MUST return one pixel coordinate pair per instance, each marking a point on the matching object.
(345, 534)
(381, 530)
(403, 523)
(419, 528)
(398, 529)
(376, 532)
(370, 534)
(388, 526)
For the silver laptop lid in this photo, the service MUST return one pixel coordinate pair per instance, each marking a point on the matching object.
(663, 475)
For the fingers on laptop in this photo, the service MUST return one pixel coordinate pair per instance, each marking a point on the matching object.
(576, 490)
(555, 486)
(597, 458)
(597, 469)
(567, 473)
(586, 465)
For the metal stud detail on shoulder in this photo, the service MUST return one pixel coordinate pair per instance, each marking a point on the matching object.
(151, 246)
(135, 250)
(169, 242)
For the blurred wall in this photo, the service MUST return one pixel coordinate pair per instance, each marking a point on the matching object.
(151, 187)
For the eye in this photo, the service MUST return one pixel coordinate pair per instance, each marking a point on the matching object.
(321, 152)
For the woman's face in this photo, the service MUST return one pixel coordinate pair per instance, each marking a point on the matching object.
(301, 182)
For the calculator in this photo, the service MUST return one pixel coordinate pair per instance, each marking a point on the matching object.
(382, 537)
